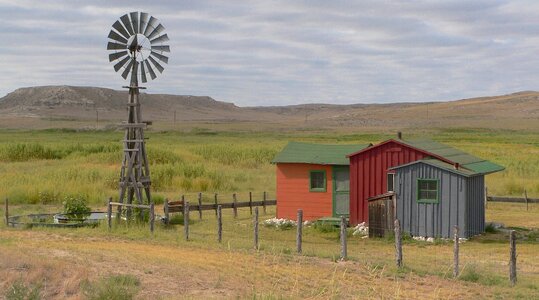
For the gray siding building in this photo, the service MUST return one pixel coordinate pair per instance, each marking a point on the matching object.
(433, 196)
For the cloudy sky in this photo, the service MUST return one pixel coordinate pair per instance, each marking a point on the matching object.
(286, 52)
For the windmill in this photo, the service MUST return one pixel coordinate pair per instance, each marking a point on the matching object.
(136, 45)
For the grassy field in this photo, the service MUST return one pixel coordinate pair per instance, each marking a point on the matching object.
(39, 168)
(43, 167)
(57, 261)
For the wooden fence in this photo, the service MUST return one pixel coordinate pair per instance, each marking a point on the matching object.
(381, 214)
(179, 206)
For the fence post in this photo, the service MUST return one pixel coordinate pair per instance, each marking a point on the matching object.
(152, 217)
(299, 232)
(513, 258)
(183, 205)
(167, 214)
(200, 206)
(109, 214)
(251, 202)
(486, 197)
(398, 243)
(219, 224)
(235, 205)
(186, 220)
(264, 202)
(215, 200)
(456, 251)
(7, 211)
(344, 252)
(255, 223)
(526, 198)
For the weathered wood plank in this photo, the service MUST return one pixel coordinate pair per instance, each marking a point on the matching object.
(186, 220)
(299, 232)
(235, 207)
(512, 199)
(456, 251)
(255, 223)
(398, 244)
(219, 224)
(130, 205)
(513, 258)
(207, 206)
(152, 217)
(6, 211)
(344, 250)
(109, 214)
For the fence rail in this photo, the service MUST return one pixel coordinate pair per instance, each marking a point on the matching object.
(512, 199)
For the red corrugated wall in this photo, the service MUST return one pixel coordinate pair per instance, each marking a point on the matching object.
(368, 174)
(293, 192)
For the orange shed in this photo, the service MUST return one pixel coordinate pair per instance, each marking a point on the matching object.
(314, 178)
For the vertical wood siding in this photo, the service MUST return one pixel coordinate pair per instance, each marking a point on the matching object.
(293, 192)
(368, 175)
(459, 203)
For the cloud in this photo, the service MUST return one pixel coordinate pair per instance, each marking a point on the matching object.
(286, 52)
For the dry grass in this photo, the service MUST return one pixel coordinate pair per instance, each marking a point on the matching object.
(170, 267)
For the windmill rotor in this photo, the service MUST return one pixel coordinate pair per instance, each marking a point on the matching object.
(137, 44)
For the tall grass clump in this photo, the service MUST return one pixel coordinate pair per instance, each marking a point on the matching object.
(117, 287)
(26, 152)
(247, 156)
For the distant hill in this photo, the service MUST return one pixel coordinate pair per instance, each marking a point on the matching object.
(518, 110)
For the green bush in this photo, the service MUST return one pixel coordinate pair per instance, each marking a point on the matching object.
(76, 206)
(116, 287)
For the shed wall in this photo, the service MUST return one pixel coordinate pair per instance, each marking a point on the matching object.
(368, 175)
(434, 219)
(475, 206)
(293, 192)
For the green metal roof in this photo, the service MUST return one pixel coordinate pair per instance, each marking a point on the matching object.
(442, 165)
(474, 164)
(296, 152)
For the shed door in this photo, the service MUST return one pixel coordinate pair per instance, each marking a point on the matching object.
(341, 191)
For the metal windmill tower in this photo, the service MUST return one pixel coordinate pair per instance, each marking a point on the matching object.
(136, 45)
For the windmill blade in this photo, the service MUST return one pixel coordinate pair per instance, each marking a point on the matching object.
(116, 46)
(150, 26)
(160, 39)
(160, 57)
(127, 69)
(143, 22)
(156, 31)
(134, 21)
(152, 73)
(113, 35)
(121, 63)
(161, 48)
(118, 26)
(156, 64)
(116, 55)
(127, 23)
(143, 73)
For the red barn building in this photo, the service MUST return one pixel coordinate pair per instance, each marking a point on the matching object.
(372, 170)
(314, 178)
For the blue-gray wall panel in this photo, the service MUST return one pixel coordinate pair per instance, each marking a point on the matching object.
(460, 203)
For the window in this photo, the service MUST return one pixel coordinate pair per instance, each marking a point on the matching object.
(390, 182)
(427, 190)
(317, 181)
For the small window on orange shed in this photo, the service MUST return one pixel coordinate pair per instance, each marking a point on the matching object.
(317, 181)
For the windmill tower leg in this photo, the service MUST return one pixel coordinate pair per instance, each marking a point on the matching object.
(135, 172)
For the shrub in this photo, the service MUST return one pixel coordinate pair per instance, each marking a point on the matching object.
(116, 287)
(20, 291)
(76, 206)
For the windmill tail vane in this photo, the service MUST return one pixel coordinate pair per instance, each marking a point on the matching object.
(136, 47)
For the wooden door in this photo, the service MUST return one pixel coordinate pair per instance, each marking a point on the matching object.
(341, 191)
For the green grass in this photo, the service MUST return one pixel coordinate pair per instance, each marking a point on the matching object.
(43, 167)
(116, 287)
